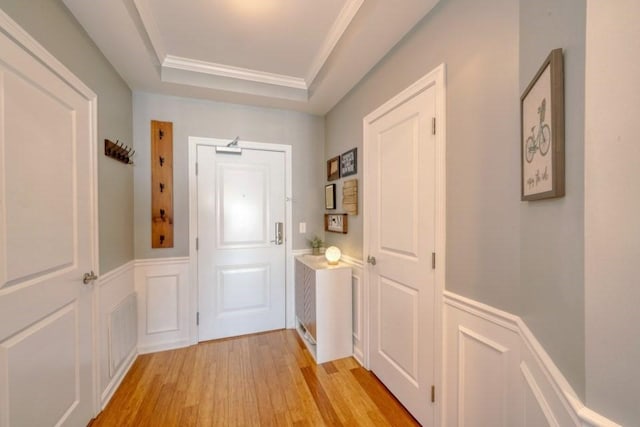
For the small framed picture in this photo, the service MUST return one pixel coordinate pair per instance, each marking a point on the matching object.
(349, 162)
(336, 223)
(330, 196)
(333, 168)
(542, 139)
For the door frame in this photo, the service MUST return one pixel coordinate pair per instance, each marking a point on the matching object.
(436, 79)
(39, 52)
(194, 141)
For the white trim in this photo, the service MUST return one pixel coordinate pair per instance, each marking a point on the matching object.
(151, 262)
(222, 70)
(193, 224)
(15, 31)
(298, 252)
(484, 311)
(436, 78)
(352, 261)
(342, 22)
(30, 45)
(561, 387)
(539, 396)
(117, 379)
(340, 25)
(592, 418)
(151, 28)
(162, 346)
(116, 272)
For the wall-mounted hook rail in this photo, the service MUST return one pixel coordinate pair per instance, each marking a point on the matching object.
(118, 151)
(161, 184)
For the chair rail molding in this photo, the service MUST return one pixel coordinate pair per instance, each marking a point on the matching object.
(535, 391)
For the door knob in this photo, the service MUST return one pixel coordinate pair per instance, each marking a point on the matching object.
(89, 277)
(279, 230)
(371, 260)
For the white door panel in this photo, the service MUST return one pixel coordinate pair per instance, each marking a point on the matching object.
(241, 270)
(47, 241)
(400, 192)
(244, 210)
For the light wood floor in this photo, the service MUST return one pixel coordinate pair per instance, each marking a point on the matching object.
(266, 379)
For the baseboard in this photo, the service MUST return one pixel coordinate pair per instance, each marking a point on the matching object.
(545, 394)
(163, 346)
(117, 380)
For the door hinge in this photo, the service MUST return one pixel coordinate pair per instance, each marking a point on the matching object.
(433, 393)
(196, 168)
(433, 126)
(433, 260)
(197, 318)
(197, 243)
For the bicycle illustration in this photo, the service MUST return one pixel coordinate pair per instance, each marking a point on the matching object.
(540, 141)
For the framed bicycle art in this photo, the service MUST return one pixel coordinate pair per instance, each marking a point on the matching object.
(542, 124)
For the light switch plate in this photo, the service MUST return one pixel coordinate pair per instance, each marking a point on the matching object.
(303, 227)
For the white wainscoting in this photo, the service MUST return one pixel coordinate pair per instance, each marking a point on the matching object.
(164, 315)
(497, 374)
(117, 328)
(357, 282)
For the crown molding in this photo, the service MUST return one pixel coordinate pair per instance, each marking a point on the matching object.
(221, 70)
(340, 25)
(151, 28)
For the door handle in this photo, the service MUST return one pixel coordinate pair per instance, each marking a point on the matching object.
(279, 229)
(371, 260)
(89, 277)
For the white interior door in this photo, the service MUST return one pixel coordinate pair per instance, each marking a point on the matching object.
(400, 213)
(47, 242)
(241, 263)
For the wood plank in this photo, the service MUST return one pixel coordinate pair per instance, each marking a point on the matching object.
(388, 406)
(320, 397)
(263, 379)
(350, 196)
(161, 184)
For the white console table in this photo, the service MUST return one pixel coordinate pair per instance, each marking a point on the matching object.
(324, 307)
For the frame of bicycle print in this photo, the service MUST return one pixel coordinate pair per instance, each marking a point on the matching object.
(542, 127)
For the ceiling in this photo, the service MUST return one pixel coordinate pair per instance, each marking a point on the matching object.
(298, 54)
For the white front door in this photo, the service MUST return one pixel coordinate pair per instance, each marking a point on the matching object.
(400, 219)
(241, 264)
(47, 243)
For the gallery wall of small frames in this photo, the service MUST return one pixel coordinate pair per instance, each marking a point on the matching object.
(338, 167)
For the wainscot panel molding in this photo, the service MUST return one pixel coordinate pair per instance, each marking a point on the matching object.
(164, 315)
(117, 328)
(497, 373)
(359, 320)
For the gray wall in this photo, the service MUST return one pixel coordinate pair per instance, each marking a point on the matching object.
(612, 201)
(478, 41)
(552, 231)
(192, 117)
(525, 258)
(53, 26)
